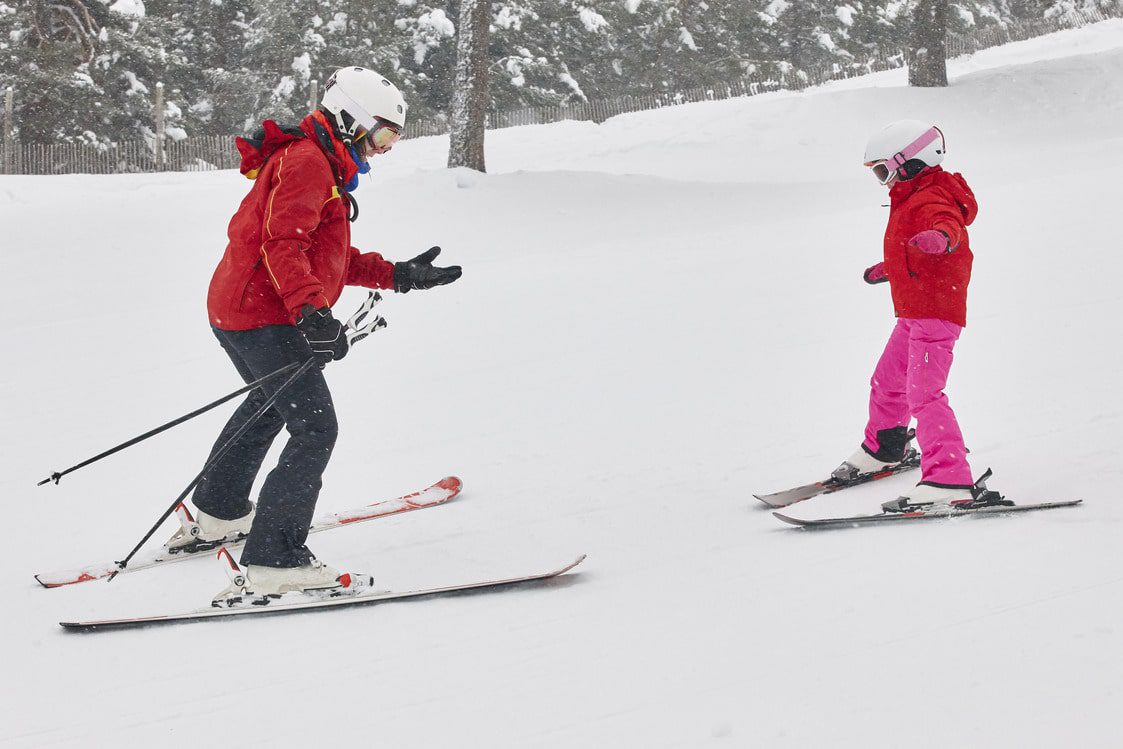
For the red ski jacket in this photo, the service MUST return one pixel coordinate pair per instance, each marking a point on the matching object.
(923, 285)
(290, 240)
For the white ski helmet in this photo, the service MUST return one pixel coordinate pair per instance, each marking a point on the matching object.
(903, 141)
(355, 97)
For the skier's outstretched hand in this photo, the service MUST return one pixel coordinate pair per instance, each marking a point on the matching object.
(420, 273)
(325, 334)
(875, 274)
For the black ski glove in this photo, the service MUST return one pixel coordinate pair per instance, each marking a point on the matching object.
(420, 273)
(325, 334)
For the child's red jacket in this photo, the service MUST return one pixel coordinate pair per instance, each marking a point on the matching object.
(290, 240)
(923, 285)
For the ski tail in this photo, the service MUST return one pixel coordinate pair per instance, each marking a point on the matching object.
(790, 497)
(437, 494)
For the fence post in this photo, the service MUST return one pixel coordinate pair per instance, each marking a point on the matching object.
(9, 131)
(159, 113)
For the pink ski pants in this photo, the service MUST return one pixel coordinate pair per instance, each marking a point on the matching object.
(909, 382)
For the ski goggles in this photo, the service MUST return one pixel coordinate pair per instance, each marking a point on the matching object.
(882, 171)
(382, 137)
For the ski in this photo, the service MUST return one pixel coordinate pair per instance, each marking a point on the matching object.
(932, 514)
(801, 493)
(321, 604)
(437, 494)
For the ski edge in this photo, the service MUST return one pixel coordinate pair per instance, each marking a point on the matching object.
(452, 484)
(896, 517)
(215, 613)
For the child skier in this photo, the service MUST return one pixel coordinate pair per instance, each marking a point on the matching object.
(928, 266)
(287, 261)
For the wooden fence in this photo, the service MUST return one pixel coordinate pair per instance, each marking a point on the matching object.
(993, 36)
(209, 152)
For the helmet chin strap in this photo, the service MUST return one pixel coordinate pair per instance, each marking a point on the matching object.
(348, 109)
(905, 172)
(345, 132)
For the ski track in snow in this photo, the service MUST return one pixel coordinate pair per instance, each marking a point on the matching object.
(659, 316)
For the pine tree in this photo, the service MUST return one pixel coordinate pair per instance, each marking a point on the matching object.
(82, 71)
(85, 70)
(217, 94)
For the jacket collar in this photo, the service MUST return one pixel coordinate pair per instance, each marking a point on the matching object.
(903, 190)
(318, 129)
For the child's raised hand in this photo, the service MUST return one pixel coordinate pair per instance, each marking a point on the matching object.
(932, 241)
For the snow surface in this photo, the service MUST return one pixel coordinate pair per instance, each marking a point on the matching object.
(659, 316)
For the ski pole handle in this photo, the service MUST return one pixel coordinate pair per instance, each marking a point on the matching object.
(356, 329)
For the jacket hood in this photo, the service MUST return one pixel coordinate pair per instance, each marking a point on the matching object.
(271, 137)
(936, 178)
(267, 140)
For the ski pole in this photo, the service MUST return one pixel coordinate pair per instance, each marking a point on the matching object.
(268, 404)
(57, 475)
(356, 331)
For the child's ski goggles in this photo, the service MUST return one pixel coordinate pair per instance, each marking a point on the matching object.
(882, 171)
(383, 136)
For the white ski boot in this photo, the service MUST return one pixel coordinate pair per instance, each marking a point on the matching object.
(261, 585)
(204, 532)
(928, 496)
(893, 441)
(859, 463)
(931, 496)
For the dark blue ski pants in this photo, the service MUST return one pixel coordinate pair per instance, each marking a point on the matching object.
(288, 496)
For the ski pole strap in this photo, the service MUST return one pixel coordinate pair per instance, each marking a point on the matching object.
(218, 455)
(57, 475)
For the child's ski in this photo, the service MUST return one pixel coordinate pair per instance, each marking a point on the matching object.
(800, 493)
(928, 514)
(317, 604)
(437, 494)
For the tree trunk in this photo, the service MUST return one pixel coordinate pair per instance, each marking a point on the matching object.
(928, 56)
(469, 96)
(158, 113)
(8, 134)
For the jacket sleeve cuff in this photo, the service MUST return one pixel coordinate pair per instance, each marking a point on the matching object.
(316, 299)
(370, 270)
(953, 233)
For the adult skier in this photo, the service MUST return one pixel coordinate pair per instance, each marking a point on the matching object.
(927, 263)
(288, 258)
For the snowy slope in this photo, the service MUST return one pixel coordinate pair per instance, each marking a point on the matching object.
(659, 316)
